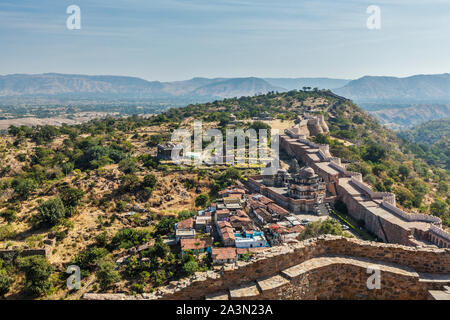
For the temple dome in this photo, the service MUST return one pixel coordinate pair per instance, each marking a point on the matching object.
(307, 172)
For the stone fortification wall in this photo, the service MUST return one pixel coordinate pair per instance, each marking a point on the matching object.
(328, 267)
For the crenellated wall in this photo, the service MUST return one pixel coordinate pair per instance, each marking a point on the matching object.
(328, 267)
(377, 210)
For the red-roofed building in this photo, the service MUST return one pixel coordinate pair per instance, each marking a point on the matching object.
(263, 216)
(264, 200)
(196, 246)
(223, 255)
(226, 233)
(222, 214)
(276, 210)
(185, 224)
(283, 234)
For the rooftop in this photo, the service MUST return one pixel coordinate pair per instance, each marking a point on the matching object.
(192, 244)
(224, 253)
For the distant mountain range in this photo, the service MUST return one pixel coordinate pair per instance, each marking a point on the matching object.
(414, 89)
(397, 102)
(369, 89)
(53, 84)
(119, 86)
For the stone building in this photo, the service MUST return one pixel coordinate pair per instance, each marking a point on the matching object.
(308, 125)
(165, 151)
(306, 184)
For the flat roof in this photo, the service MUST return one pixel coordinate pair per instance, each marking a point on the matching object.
(325, 166)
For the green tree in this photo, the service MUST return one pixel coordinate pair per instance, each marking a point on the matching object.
(71, 198)
(150, 181)
(202, 200)
(438, 208)
(23, 187)
(67, 168)
(165, 226)
(317, 228)
(51, 212)
(5, 282)
(37, 272)
(404, 171)
(107, 276)
(89, 259)
(190, 267)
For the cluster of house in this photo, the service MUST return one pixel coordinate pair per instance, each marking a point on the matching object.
(278, 224)
(236, 225)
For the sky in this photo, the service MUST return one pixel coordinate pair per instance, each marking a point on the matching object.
(170, 40)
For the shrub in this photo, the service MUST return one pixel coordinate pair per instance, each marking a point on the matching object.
(128, 238)
(23, 187)
(9, 215)
(107, 276)
(190, 267)
(202, 200)
(149, 181)
(71, 198)
(89, 259)
(127, 166)
(37, 272)
(317, 228)
(6, 232)
(51, 212)
(5, 282)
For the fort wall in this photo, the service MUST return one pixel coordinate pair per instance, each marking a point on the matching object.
(328, 267)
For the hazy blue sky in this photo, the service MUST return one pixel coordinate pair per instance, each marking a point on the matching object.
(180, 39)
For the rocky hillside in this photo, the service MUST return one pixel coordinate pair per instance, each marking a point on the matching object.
(405, 117)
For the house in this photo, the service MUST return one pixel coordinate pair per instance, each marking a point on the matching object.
(203, 223)
(277, 211)
(196, 246)
(263, 216)
(184, 229)
(222, 214)
(165, 151)
(229, 192)
(233, 206)
(242, 222)
(185, 224)
(254, 239)
(184, 234)
(226, 233)
(285, 234)
(232, 199)
(264, 200)
(254, 204)
(223, 255)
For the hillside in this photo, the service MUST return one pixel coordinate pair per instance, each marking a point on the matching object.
(94, 192)
(414, 89)
(429, 141)
(405, 117)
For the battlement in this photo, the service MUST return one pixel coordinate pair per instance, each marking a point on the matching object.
(313, 269)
